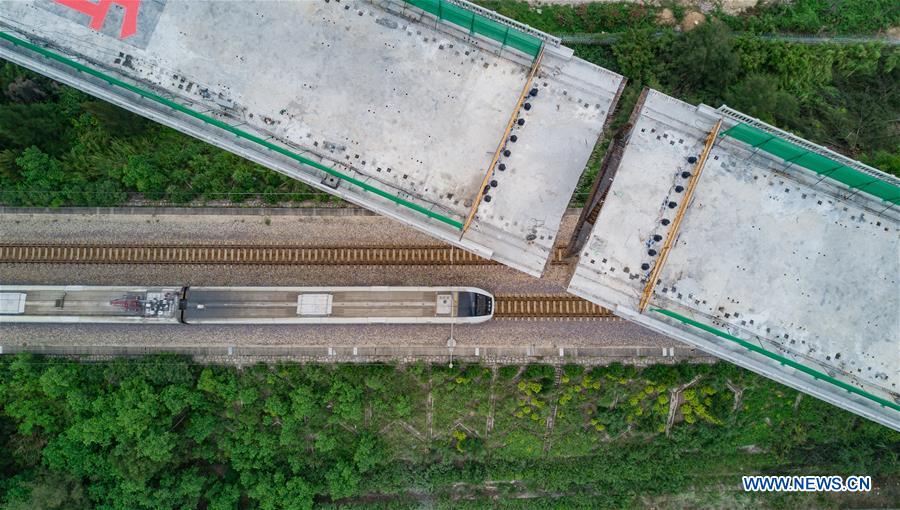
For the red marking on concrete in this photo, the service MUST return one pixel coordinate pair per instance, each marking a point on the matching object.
(100, 9)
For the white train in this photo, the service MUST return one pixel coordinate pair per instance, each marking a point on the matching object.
(244, 305)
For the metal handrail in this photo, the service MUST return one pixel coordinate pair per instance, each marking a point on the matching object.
(806, 144)
(499, 18)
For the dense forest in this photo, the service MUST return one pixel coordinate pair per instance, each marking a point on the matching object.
(162, 432)
(60, 147)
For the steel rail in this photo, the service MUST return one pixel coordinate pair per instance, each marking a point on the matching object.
(435, 255)
(547, 306)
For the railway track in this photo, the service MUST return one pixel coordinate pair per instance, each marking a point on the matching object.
(547, 306)
(512, 306)
(224, 254)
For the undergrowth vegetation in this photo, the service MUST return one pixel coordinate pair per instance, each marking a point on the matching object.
(161, 432)
(812, 17)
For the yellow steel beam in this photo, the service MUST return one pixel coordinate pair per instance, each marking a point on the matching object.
(512, 119)
(676, 223)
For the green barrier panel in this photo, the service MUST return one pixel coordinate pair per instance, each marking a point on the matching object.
(523, 42)
(227, 127)
(818, 163)
(478, 24)
(490, 29)
(781, 359)
(747, 134)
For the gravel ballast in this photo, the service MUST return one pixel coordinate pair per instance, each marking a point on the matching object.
(352, 230)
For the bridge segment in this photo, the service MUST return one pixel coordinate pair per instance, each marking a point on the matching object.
(428, 112)
(784, 261)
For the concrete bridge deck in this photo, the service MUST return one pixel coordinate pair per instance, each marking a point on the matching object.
(774, 267)
(379, 103)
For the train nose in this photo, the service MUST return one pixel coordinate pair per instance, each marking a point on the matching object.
(475, 304)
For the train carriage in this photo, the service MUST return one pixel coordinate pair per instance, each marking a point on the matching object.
(336, 305)
(91, 304)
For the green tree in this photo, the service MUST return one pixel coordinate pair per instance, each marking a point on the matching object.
(636, 57)
(885, 161)
(369, 452)
(41, 125)
(860, 113)
(760, 95)
(140, 173)
(343, 480)
(116, 120)
(703, 61)
(48, 491)
(346, 401)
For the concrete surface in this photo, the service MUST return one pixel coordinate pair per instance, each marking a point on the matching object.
(511, 355)
(800, 267)
(412, 107)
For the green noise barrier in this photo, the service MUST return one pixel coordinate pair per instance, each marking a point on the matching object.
(227, 127)
(818, 163)
(478, 24)
(781, 359)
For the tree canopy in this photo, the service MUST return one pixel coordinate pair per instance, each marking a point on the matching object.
(163, 432)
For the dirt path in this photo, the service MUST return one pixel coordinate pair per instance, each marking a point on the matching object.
(738, 395)
(489, 423)
(551, 418)
(674, 397)
(429, 412)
